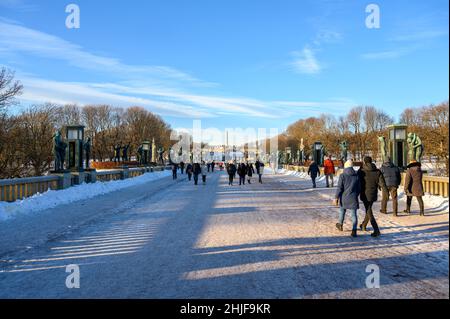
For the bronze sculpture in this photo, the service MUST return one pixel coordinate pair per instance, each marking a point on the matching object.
(415, 146)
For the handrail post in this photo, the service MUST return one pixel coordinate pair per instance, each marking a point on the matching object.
(64, 180)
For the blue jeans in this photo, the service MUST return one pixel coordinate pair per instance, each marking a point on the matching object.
(354, 217)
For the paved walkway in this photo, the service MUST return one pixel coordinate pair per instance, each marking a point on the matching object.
(177, 240)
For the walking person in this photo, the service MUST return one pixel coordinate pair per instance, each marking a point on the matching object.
(393, 178)
(330, 171)
(242, 172)
(197, 170)
(231, 170)
(189, 171)
(414, 186)
(259, 170)
(348, 191)
(208, 165)
(205, 171)
(182, 165)
(250, 172)
(371, 180)
(314, 172)
(174, 171)
(213, 165)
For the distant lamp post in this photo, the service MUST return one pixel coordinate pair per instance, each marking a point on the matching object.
(146, 152)
(318, 153)
(75, 141)
(398, 145)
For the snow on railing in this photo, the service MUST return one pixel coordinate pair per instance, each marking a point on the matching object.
(20, 188)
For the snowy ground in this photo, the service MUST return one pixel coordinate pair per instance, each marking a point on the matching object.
(165, 239)
(51, 199)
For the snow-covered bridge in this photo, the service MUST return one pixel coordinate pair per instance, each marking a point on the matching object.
(158, 238)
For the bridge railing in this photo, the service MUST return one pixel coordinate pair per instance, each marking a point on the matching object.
(433, 185)
(21, 188)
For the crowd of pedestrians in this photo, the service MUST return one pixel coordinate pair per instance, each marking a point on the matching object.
(244, 171)
(354, 186)
(364, 184)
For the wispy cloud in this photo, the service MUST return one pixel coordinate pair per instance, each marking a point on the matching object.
(305, 61)
(389, 54)
(170, 102)
(327, 37)
(19, 5)
(17, 38)
(420, 35)
(161, 89)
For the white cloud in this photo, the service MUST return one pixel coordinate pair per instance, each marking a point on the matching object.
(390, 54)
(20, 39)
(306, 62)
(161, 89)
(420, 35)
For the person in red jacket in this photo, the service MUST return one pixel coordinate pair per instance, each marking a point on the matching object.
(329, 171)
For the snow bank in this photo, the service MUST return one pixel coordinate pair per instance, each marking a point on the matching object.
(51, 199)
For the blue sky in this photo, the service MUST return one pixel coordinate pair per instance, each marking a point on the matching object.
(230, 63)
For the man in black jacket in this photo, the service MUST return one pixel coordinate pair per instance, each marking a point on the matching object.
(314, 172)
(371, 180)
(393, 178)
(242, 172)
(197, 170)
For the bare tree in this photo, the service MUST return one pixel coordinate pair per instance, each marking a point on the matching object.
(9, 88)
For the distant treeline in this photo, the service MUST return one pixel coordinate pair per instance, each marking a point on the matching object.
(362, 125)
(26, 139)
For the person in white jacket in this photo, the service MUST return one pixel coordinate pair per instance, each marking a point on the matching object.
(204, 169)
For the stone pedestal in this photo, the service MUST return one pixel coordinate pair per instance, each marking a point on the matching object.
(125, 173)
(65, 179)
(92, 175)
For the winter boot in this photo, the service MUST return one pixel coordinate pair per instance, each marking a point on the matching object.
(376, 234)
(354, 234)
(340, 227)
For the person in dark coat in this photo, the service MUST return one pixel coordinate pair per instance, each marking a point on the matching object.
(182, 165)
(259, 170)
(197, 170)
(174, 171)
(414, 186)
(314, 172)
(231, 170)
(371, 180)
(242, 172)
(213, 165)
(250, 172)
(348, 191)
(393, 178)
(189, 171)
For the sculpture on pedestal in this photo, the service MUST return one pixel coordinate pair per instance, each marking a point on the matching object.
(161, 152)
(415, 147)
(140, 154)
(153, 151)
(87, 151)
(59, 151)
(344, 151)
(383, 148)
(125, 152)
(117, 149)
